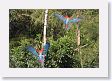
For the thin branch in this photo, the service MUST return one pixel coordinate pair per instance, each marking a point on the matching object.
(80, 47)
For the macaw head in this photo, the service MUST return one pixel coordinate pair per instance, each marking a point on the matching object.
(40, 51)
(67, 20)
(66, 16)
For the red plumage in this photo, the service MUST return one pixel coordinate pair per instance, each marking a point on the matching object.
(40, 51)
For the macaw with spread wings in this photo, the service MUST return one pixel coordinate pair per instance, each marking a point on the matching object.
(67, 20)
(40, 54)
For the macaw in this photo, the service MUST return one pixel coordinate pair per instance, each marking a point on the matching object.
(40, 54)
(67, 20)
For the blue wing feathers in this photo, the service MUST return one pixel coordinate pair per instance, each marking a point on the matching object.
(40, 56)
(46, 47)
(61, 17)
(32, 50)
(74, 20)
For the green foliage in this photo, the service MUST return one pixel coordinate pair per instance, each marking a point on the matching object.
(26, 28)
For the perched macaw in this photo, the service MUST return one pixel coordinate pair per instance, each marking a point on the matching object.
(67, 20)
(40, 54)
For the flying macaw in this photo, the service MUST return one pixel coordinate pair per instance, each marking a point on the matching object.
(40, 54)
(67, 20)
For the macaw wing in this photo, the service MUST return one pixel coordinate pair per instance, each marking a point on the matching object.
(61, 17)
(74, 20)
(32, 50)
(46, 47)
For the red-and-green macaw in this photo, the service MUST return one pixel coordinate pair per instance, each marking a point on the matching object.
(40, 54)
(67, 20)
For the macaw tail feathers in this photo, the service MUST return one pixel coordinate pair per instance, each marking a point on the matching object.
(46, 47)
(68, 26)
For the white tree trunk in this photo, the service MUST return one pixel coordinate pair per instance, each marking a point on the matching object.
(44, 33)
(45, 25)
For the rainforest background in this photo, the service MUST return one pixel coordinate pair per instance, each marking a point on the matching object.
(26, 28)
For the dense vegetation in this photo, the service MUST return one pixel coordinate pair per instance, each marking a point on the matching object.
(26, 28)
